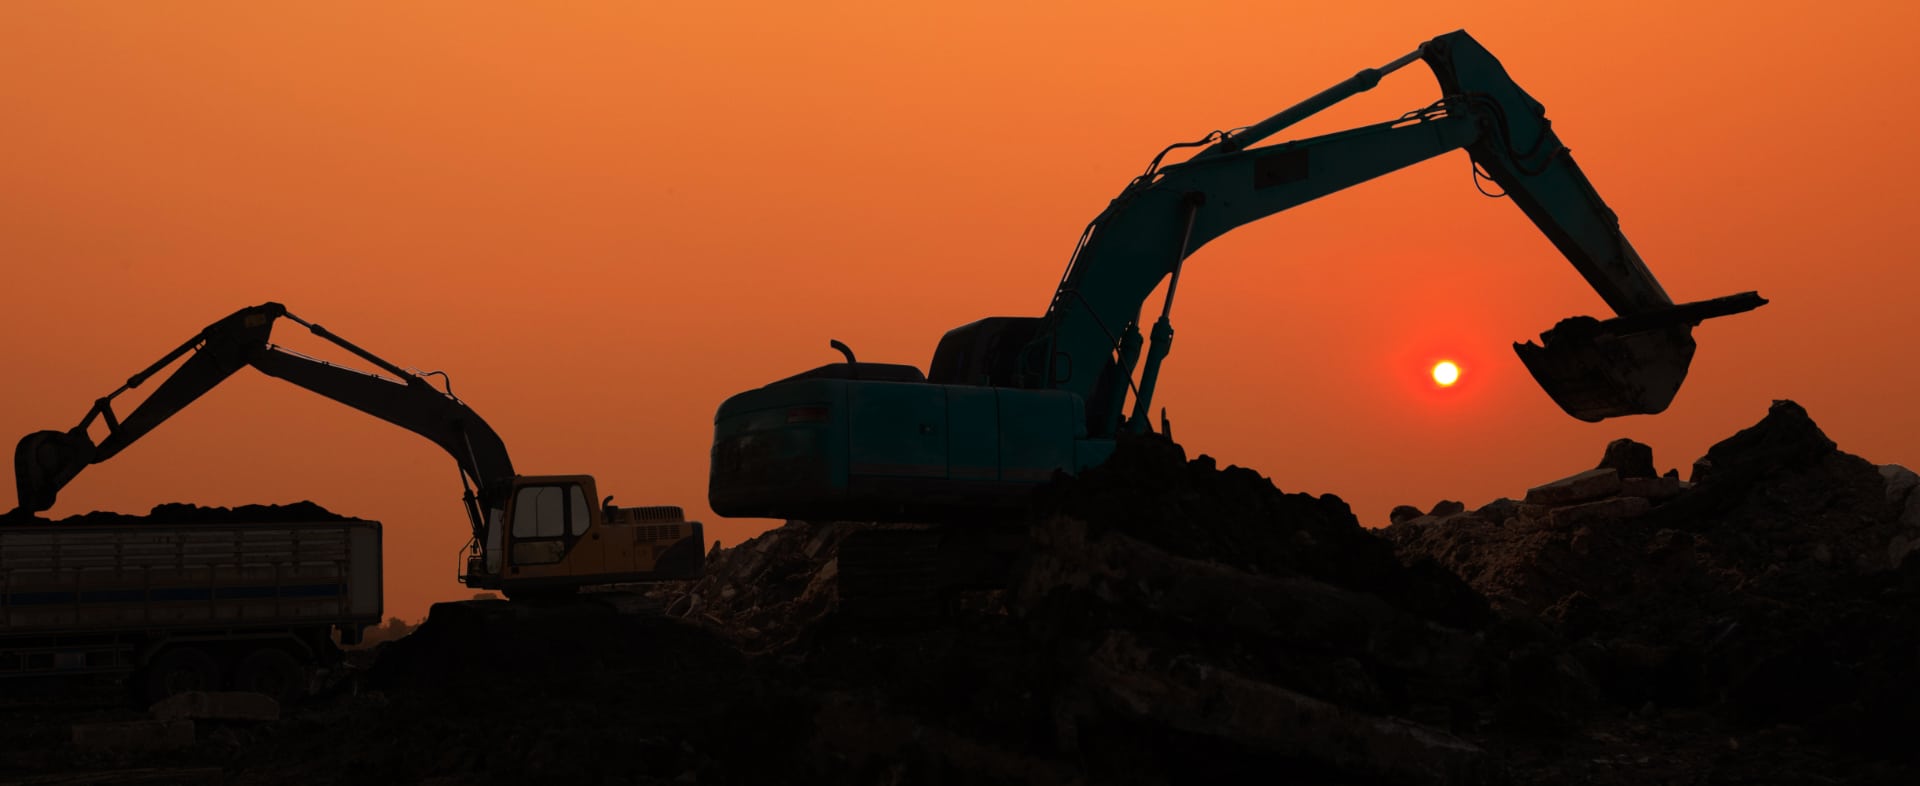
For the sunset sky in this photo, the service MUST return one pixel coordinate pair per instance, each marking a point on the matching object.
(604, 218)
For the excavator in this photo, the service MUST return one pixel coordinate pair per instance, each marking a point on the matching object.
(534, 536)
(1007, 402)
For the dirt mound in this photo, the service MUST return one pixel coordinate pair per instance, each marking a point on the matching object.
(1773, 593)
(487, 692)
(765, 592)
(1172, 621)
(1149, 491)
(184, 513)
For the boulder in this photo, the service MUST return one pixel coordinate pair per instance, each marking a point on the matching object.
(1900, 483)
(1590, 485)
(1629, 458)
(1702, 468)
(1447, 507)
(1403, 513)
(1653, 489)
(1786, 439)
(1498, 510)
(1598, 512)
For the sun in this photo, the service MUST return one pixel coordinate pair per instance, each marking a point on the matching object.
(1445, 373)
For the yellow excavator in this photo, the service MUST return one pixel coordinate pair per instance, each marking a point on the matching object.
(533, 535)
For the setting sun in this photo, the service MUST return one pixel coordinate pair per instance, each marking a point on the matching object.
(1445, 373)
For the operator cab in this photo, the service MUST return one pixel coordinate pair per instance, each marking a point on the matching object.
(983, 352)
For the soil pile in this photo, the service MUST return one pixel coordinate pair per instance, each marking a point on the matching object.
(183, 513)
(1772, 595)
(490, 691)
(764, 593)
(1172, 621)
(1135, 645)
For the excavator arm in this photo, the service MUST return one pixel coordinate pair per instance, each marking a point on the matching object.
(46, 461)
(1089, 340)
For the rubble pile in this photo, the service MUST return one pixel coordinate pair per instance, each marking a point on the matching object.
(491, 691)
(1172, 621)
(1132, 647)
(1773, 591)
(768, 590)
(1136, 647)
(1286, 640)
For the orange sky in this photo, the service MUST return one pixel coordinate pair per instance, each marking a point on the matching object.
(603, 219)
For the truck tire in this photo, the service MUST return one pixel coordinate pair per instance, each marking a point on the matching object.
(179, 670)
(274, 672)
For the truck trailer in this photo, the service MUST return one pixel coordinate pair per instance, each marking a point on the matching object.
(239, 605)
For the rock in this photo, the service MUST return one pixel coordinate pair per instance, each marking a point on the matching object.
(1590, 485)
(1786, 438)
(1598, 513)
(141, 735)
(217, 705)
(1403, 513)
(1900, 482)
(1498, 510)
(1447, 507)
(1899, 548)
(1653, 489)
(1631, 459)
(1211, 702)
(1702, 467)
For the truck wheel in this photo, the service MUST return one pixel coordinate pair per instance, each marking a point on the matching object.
(179, 670)
(271, 671)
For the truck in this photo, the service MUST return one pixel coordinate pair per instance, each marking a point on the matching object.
(251, 603)
(1008, 402)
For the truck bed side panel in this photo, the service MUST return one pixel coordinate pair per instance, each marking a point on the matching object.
(99, 578)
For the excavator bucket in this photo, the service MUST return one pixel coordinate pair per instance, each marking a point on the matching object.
(43, 463)
(1630, 365)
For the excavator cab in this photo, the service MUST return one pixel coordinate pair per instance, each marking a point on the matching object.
(551, 534)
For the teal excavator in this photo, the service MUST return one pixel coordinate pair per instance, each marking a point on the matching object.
(1009, 401)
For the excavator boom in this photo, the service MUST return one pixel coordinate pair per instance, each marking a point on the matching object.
(46, 461)
(1162, 217)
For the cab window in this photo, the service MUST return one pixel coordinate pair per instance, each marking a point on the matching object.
(546, 519)
(577, 512)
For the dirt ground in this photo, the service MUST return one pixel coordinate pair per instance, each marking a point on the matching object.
(1172, 621)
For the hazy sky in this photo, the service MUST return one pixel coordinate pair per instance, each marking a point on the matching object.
(604, 218)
